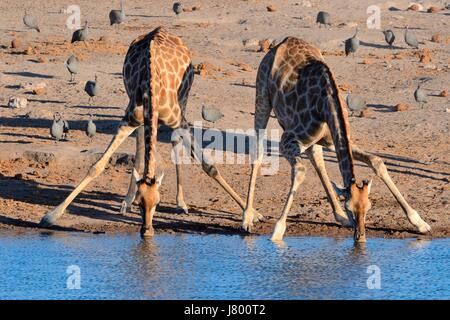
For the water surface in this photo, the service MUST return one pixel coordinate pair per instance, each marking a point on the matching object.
(35, 266)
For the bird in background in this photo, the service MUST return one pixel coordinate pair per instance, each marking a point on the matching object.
(355, 102)
(72, 65)
(177, 8)
(81, 34)
(323, 18)
(91, 128)
(352, 44)
(411, 39)
(211, 114)
(57, 128)
(117, 16)
(420, 95)
(389, 36)
(92, 89)
(30, 21)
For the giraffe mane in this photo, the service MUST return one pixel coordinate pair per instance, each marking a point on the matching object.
(342, 111)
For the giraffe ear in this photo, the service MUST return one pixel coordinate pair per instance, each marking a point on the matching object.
(367, 184)
(339, 190)
(136, 175)
(159, 179)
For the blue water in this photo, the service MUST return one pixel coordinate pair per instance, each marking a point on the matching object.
(36, 266)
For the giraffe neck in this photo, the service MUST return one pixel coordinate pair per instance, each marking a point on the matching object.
(337, 119)
(151, 118)
(150, 136)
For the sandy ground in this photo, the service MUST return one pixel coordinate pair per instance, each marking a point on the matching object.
(414, 143)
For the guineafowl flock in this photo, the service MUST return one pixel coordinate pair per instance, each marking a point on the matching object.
(210, 113)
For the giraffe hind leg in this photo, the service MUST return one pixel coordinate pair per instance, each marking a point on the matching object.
(96, 169)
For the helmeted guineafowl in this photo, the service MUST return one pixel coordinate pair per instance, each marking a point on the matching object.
(352, 44)
(211, 114)
(117, 16)
(411, 39)
(389, 36)
(420, 95)
(30, 21)
(57, 128)
(81, 34)
(72, 65)
(92, 88)
(355, 103)
(323, 18)
(177, 8)
(91, 128)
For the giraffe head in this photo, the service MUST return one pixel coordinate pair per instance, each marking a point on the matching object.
(357, 204)
(147, 198)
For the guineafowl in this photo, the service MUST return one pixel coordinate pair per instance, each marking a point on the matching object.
(72, 66)
(117, 16)
(91, 128)
(355, 103)
(57, 128)
(389, 37)
(411, 39)
(177, 8)
(80, 34)
(420, 95)
(352, 44)
(92, 88)
(211, 114)
(323, 18)
(30, 21)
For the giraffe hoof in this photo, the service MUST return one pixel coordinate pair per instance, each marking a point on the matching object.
(424, 228)
(278, 232)
(182, 209)
(147, 232)
(246, 227)
(258, 217)
(50, 218)
(125, 207)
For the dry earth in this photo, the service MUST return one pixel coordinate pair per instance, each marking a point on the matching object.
(414, 143)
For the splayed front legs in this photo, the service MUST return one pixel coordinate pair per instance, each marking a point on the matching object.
(124, 131)
(379, 168)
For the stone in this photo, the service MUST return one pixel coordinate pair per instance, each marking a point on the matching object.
(401, 107)
(121, 158)
(16, 43)
(43, 158)
(271, 8)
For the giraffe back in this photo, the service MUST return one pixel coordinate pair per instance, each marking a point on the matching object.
(299, 84)
(159, 63)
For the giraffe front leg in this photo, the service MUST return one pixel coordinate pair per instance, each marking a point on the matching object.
(315, 154)
(137, 172)
(124, 131)
(298, 173)
(248, 216)
(380, 169)
(291, 150)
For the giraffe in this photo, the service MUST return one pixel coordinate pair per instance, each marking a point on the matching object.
(157, 75)
(294, 80)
